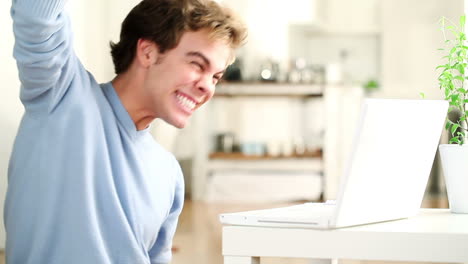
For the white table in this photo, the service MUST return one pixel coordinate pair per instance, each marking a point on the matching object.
(434, 235)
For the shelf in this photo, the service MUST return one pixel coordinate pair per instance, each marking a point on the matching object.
(309, 165)
(310, 162)
(240, 156)
(268, 89)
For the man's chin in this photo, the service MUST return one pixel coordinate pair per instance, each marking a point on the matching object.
(180, 126)
(177, 123)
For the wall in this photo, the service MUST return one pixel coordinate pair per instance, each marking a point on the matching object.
(357, 17)
(410, 39)
(91, 30)
(95, 24)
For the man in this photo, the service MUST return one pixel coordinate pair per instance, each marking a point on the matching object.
(87, 183)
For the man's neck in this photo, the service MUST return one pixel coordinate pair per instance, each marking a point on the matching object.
(129, 89)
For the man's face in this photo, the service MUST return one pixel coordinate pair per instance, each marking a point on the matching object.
(184, 78)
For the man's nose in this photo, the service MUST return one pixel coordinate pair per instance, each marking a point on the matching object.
(205, 84)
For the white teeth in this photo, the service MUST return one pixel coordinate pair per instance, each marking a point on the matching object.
(186, 101)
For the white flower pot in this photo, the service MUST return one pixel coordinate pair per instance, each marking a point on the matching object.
(455, 165)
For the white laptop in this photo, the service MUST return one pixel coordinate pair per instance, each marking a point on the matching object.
(386, 174)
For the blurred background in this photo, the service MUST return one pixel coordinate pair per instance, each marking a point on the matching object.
(279, 127)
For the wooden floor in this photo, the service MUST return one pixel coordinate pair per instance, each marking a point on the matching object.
(198, 238)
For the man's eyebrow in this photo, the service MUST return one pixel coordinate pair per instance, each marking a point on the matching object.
(200, 55)
(204, 58)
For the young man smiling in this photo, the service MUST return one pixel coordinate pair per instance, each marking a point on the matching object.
(86, 181)
(191, 71)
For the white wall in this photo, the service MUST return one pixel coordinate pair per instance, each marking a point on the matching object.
(410, 39)
(94, 24)
(357, 16)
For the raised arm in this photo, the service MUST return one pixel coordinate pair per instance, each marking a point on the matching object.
(43, 51)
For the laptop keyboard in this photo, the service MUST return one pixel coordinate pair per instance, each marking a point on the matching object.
(297, 213)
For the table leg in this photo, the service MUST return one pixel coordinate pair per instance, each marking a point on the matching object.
(241, 260)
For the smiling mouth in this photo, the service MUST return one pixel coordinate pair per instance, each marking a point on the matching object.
(186, 102)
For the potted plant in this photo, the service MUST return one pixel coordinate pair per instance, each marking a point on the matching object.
(452, 80)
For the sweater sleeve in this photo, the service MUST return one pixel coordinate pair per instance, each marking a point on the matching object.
(43, 51)
(161, 251)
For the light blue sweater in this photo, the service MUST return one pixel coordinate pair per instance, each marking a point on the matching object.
(84, 186)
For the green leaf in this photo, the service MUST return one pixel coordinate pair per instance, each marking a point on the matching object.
(443, 66)
(453, 50)
(461, 69)
(447, 75)
(462, 21)
(454, 128)
(447, 125)
(423, 96)
(463, 55)
(454, 140)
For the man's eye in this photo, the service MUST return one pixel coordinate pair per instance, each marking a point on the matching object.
(216, 78)
(198, 65)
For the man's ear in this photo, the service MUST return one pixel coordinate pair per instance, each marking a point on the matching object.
(147, 52)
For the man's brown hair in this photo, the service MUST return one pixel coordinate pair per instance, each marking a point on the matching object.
(164, 22)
